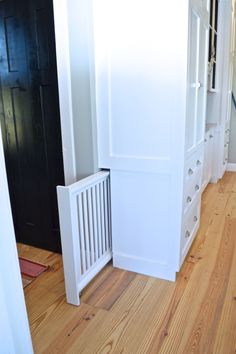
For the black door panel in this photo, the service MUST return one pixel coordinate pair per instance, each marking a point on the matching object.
(30, 119)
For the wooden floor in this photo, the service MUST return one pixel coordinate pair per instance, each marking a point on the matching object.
(124, 312)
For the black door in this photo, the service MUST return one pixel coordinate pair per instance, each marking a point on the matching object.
(30, 119)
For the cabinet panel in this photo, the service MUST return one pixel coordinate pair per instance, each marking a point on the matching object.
(193, 78)
(197, 80)
(202, 92)
(140, 88)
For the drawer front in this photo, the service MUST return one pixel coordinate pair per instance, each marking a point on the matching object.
(227, 132)
(193, 165)
(226, 146)
(226, 152)
(192, 190)
(191, 221)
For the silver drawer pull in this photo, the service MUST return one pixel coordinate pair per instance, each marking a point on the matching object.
(190, 172)
(187, 234)
(195, 219)
(189, 199)
(197, 187)
(197, 85)
(198, 163)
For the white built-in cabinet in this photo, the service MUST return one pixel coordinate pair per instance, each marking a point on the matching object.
(151, 84)
(219, 99)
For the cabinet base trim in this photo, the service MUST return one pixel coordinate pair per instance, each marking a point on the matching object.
(231, 167)
(214, 180)
(143, 266)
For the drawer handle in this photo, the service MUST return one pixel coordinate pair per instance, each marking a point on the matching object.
(197, 85)
(187, 234)
(190, 172)
(197, 187)
(195, 219)
(211, 136)
(205, 140)
(198, 163)
(189, 199)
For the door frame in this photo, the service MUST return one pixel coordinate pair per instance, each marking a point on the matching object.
(14, 325)
(76, 17)
(65, 90)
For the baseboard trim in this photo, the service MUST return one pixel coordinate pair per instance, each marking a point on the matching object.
(214, 180)
(143, 266)
(231, 167)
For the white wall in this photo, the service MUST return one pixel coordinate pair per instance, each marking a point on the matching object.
(232, 145)
(73, 28)
(80, 19)
(14, 328)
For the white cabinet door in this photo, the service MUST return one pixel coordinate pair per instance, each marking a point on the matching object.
(197, 80)
(202, 79)
(140, 82)
(193, 82)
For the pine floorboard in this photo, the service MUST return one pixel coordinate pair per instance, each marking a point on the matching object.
(125, 312)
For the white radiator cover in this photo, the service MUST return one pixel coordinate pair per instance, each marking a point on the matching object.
(85, 224)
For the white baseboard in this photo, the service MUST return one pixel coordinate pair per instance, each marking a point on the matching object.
(231, 167)
(143, 266)
(214, 180)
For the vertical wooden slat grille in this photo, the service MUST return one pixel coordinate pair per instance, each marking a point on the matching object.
(81, 234)
(87, 245)
(106, 214)
(90, 219)
(95, 229)
(102, 216)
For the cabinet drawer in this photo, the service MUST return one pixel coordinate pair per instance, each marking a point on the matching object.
(226, 152)
(190, 226)
(192, 189)
(227, 131)
(193, 165)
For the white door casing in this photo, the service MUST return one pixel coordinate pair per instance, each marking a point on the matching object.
(14, 328)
